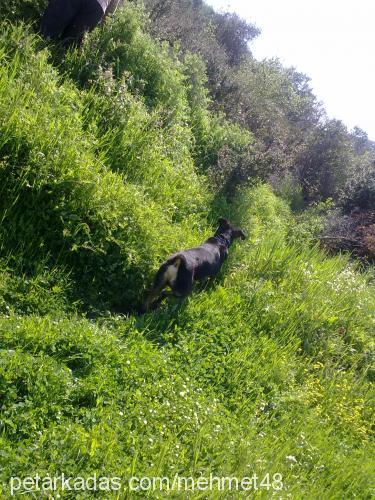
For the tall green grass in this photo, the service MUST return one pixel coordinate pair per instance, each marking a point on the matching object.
(101, 202)
(267, 370)
(102, 175)
(97, 171)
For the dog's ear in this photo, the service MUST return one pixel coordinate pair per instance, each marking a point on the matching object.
(223, 222)
(240, 234)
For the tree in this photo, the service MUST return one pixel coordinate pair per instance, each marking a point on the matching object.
(325, 162)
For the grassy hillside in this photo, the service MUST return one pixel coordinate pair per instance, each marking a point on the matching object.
(102, 175)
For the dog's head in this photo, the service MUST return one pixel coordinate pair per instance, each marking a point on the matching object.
(229, 231)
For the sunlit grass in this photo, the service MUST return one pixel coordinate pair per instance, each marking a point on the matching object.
(265, 370)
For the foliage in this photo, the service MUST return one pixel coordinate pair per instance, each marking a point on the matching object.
(106, 158)
(352, 232)
(360, 188)
(62, 203)
(280, 340)
(325, 162)
(26, 10)
(291, 134)
(220, 39)
(122, 48)
(212, 132)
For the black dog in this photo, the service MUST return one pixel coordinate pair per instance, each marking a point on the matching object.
(181, 269)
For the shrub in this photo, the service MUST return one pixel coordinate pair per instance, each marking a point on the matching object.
(22, 10)
(264, 370)
(67, 204)
(280, 340)
(123, 49)
(361, 194)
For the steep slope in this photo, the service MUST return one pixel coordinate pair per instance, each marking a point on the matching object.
(266, 370)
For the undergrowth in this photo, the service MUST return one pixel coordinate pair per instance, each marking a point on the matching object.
(267, 369)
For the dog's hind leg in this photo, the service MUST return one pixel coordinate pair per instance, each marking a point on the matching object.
(183, 285)
(163, 295)
(169, 293)
(165, 276)
(152, 295)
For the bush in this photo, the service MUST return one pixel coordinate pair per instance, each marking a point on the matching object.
(280, 340)
(264, 370)
(361, 195)
(121, 48)
(60, 201)
(22, 10)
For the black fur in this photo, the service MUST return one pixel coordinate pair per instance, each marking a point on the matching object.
(181, 269)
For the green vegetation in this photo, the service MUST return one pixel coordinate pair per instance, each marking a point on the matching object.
(112, 157)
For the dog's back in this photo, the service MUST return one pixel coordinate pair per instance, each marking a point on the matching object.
(181, 269)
